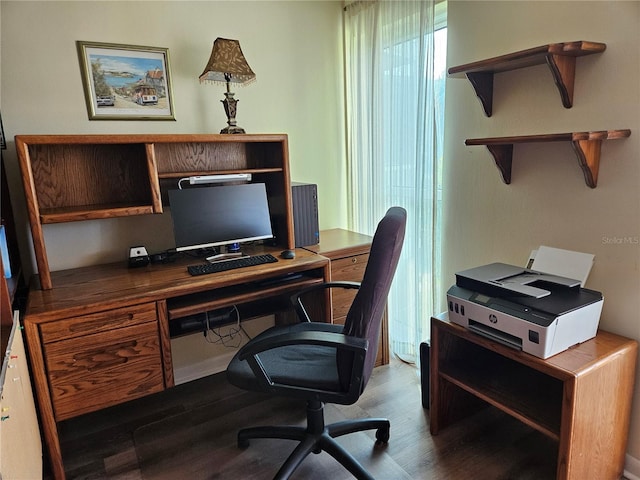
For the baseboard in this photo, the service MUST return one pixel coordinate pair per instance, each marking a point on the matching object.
(632, 468)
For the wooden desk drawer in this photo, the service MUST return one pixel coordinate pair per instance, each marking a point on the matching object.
(98, 322)
(90, 372)
(346, 269)
(349, 268)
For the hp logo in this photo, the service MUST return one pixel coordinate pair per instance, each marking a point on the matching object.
(493, 318)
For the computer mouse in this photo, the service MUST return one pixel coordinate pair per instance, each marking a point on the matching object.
(288, 254)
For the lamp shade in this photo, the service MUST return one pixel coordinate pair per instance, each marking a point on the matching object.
(227, 64)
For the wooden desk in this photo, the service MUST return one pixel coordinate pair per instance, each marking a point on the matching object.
(580, 397)
(101, 337)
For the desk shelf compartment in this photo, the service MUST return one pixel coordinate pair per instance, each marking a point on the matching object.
(587, 146)
(199, 155)
(560, 57)
(76, 182)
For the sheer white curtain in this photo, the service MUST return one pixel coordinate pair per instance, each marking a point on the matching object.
(394, 121)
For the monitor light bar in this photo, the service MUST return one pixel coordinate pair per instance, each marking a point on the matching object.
(203, 179)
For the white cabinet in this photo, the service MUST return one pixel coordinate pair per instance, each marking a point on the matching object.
(20, 444)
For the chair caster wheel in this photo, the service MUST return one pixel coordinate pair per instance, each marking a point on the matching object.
(382, 436)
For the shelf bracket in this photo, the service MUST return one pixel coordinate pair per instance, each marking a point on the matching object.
(482, 83)
(563, 69)
(588, 153)
(560, 57)
(586, 145)
(503, 155)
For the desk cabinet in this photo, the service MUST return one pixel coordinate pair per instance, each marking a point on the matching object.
(349, 254)
(581, 397)
(94, 361)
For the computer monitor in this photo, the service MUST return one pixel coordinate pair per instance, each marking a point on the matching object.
(219, 215)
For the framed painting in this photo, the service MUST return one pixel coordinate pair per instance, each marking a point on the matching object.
(126, 82)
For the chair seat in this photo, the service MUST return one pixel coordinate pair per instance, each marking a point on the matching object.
(292, 365)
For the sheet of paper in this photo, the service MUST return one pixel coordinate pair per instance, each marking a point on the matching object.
(564, 263)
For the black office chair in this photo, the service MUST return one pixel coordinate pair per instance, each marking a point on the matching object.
(321, 362)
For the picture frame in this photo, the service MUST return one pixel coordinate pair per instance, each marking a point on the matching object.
(126, 82)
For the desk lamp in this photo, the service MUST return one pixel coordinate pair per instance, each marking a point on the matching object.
(228, 65)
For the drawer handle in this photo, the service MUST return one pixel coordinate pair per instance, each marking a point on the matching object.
(354, 260)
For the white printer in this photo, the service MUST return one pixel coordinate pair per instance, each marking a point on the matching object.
(538, 313)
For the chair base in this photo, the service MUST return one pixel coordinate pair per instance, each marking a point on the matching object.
(317, 437)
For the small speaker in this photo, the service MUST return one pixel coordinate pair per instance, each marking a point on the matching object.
(305, 213)
(424, 374)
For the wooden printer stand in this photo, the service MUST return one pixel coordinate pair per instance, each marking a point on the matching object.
(580, 397)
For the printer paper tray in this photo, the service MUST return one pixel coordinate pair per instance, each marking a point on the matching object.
(494, 334)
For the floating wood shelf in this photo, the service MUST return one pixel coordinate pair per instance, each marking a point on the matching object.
(561, 58)
(587, 146)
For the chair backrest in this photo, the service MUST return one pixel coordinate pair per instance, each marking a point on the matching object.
(365, 314)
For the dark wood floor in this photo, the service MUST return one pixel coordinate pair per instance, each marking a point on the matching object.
(189, 432)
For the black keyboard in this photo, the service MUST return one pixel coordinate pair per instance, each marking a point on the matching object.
(224, 265)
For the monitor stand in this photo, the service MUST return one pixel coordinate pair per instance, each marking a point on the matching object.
(224, 256)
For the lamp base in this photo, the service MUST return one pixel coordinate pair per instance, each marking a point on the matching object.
(230, 105)
(233, 129)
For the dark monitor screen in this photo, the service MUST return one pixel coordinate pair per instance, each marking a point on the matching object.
(211, 216)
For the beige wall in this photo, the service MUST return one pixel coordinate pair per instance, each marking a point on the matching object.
(548, 202)
(295, 48)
